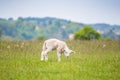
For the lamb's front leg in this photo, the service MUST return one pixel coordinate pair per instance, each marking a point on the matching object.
(59, 56)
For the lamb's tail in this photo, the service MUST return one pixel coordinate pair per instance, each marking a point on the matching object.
(44, 46)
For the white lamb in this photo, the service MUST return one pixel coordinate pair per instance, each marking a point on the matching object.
(52, 44)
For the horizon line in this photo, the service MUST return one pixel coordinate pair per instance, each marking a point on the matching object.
(15, 18)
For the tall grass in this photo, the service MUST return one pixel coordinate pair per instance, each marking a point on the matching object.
(93, 60)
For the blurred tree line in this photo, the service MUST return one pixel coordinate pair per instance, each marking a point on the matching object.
(35, 28)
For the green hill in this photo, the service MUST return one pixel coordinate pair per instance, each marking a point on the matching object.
(32, 28)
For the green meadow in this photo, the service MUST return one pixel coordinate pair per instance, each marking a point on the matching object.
(93, 60)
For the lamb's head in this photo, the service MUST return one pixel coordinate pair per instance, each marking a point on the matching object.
(68, 52)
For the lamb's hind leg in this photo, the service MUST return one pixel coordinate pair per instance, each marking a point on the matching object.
(42, 55)
(46, 54)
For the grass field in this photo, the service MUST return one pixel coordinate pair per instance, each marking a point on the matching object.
(93, 60)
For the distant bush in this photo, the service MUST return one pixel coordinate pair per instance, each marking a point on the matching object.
(87, 33)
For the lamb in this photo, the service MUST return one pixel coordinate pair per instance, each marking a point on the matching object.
(55, 44)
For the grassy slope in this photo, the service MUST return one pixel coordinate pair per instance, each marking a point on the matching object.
(92, 61)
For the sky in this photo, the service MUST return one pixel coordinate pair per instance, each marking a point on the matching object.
(82, 11)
